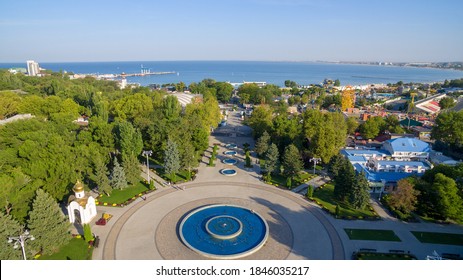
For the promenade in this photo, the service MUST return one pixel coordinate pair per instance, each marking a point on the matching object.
(148, 229)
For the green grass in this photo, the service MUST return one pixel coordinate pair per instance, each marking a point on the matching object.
(297, 180)
(439, 238)
(383, 256)
(76, 249)
(121, 196)
(371, 234)
(324, 197)
(180, 176)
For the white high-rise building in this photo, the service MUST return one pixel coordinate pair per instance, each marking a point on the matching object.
(33, 68)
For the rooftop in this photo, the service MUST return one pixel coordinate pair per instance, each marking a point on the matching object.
(380, 176)
(408, 145)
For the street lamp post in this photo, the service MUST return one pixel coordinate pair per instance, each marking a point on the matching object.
(147, 154)
(21, 240)
(315, 161)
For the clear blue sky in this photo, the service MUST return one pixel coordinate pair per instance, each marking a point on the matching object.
(302, 30)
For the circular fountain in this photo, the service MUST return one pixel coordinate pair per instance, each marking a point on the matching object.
(230, 161)
(230, 153)
(224, 231)
(231, 146)
(228, 172)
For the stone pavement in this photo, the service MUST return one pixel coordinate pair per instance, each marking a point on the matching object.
(315, 182)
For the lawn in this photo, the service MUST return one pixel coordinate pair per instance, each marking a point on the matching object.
(324, 197)
(180, 176)
(300, 178)
(121, 196)
(76, 249)
(439, 238)
(382, 256)
(371, 234)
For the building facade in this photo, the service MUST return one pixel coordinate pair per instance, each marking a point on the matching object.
(33, 68)
(397, 159)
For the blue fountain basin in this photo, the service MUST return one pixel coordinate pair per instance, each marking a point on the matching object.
(230, 153)
(230, 161)
(224, 231)
(228, 172)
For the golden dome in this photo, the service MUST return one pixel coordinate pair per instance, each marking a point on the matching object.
(78, 187)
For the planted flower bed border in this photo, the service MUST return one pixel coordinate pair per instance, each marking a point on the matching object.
(130, 200)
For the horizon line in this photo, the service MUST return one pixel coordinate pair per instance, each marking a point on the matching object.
(240, 60)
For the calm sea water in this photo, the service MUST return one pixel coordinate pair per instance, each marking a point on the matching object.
(303, 73)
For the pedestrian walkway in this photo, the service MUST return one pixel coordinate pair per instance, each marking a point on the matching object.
(315, 182)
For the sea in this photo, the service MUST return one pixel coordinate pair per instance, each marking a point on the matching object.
(303, 73)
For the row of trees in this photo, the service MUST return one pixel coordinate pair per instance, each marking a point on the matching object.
(51, 151)
(374, 126)
(45, 222)
(313, 133)
(437, 194)
(290, 162)
(349, 187)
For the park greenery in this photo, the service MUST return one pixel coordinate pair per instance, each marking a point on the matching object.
(43, 156)
(46, 154)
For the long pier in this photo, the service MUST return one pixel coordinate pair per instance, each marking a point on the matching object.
(144, 74)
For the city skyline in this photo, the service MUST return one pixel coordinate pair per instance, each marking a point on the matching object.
(258, 30)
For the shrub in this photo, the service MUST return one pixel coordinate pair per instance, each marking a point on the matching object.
(88, 236)
(310, 192)
(288, 182)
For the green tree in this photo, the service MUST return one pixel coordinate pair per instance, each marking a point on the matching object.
(446, 103)
(359, 192)
(335, 164)
(9, 227)
(352, 125)
(310, 191)
(337, 83)
(171, 108)
(404, 197)
(262, 144)
(248, 160)
(9, 104)
(292, 162)
(325, 133)
(129, 140)
(224, 91)
(100, 175)
(171, 160)
(118, 179)
(372, 127)
(261, 120)
(449, 204)
(344, 180)
(271, 160)
(88, 236)
(180, 87)
(47, 224)
(131, 167)
(449, 128)
(188, 158)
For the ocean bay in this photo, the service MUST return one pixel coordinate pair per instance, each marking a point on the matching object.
(303, 73)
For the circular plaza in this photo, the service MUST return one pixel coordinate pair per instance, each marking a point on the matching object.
(152, 229)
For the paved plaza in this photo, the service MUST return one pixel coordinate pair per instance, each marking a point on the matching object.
(148, 229)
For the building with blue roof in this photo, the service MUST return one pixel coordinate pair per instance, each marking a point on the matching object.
(398, 159)
(407, 148)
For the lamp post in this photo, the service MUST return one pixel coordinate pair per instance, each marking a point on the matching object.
(21, 240)
(147, 154)
(315, 161)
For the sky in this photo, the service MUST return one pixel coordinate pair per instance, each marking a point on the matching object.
(256, 30)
